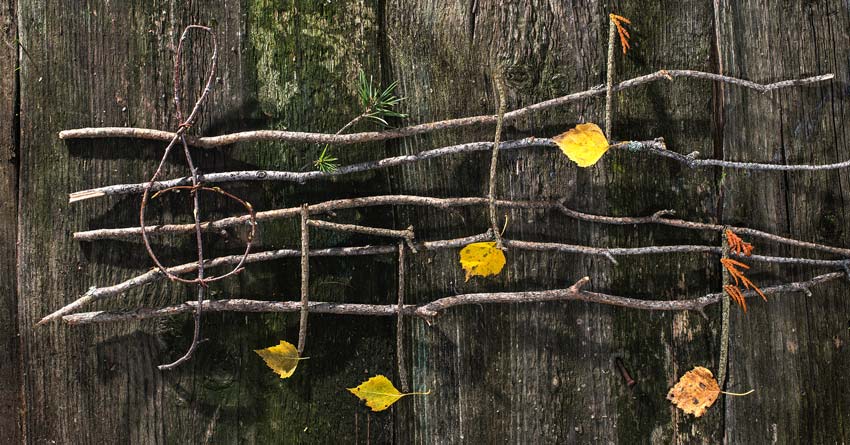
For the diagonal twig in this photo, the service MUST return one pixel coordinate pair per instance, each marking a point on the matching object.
(607, 252)
(655, 147)
(374, 136)
(661, 217)
(440, 305)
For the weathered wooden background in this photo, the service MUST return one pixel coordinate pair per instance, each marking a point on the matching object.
(538, 373)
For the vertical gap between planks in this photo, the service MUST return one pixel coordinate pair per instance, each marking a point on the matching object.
(305, 277)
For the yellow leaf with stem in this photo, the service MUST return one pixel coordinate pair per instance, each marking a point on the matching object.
(282, 358)
(379, 393)
(482, 259)
(585, 144)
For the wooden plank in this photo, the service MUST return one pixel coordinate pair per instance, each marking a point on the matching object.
(10, 380)
(792, 350)
(282, 64)
(542, 372)
(547, 372)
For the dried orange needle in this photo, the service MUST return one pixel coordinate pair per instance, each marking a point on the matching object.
(736, 244)
(618, 20)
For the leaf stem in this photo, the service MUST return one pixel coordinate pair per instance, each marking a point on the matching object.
(738, 394)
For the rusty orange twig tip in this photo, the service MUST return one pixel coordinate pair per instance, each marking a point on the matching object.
(736, 244)
(618, 21)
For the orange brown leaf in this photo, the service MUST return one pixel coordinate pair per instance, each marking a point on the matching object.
(695, 392)
(618, 21)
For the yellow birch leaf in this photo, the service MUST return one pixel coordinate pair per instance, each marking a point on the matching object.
(379, 393)
(282, 358)
(696, 391)
(584, 144)
(482, 259)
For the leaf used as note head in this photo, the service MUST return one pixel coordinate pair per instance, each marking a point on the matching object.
(482, 259)
(695, 392)
(282, 358)
(584, 144)
(379, 393)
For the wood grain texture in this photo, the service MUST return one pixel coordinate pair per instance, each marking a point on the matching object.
(793, 351)
(537, 373)
(109, 63)
(10, 383)
(548, 372)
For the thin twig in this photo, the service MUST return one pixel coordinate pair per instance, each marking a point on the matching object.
(660, 217)
(437, 306)
(609, 85)
(333, 205)
(499, 81)
(301, 177)
(374, 136)
(654, 147)
(305, 278)
(692, 160)
(351, 123)
(608, 252)
(375, 231)
(399, 332)
(196, 183)
(154, 275)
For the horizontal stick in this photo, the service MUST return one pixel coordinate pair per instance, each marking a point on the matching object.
(375, 231)
(653, 147)
(434, 308)
(373, 136)
(237, 305)
(661, 217)
(301, 177)
(446, 203)
(692, 160)
(324, 207)
(155, 275)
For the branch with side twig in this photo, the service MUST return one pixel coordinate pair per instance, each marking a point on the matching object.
(655, 147)
(438, 306)
(610, 253)
(375, 136)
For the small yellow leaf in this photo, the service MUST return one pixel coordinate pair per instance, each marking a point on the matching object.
(282, 358)
(584, 144)
(482, 259)
(696, 391)
(379, 393)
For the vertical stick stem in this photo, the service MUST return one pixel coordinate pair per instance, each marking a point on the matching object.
(609, 86)
(499, 80)
(399, 333)
(305, 277)
(724, 327)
